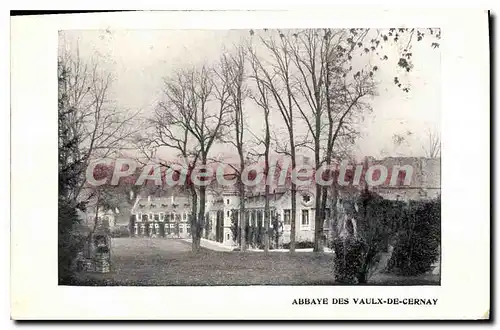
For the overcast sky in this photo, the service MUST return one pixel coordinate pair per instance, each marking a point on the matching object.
(139, 59)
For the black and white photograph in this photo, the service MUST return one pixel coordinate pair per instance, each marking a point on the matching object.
(249, 157)
(266, 158)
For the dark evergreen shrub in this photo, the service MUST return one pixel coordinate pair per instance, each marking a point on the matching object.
(418, 239)
(70, 241)
(348, 259)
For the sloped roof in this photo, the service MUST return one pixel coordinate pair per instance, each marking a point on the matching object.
(161, 204)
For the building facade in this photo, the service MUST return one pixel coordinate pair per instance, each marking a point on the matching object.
(424, 182)
(223, 210)
(161, 217)
(170, 216)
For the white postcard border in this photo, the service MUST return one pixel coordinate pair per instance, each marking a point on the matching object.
(464, 293)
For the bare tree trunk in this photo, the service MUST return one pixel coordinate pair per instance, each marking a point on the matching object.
(266, 209)
(318, 221)
(318, 217)
(98, 201)
(267, 144)
(201, 215)
(243, 218)
(324, 198)
(194, 223)
(334, 212)
(294, 206)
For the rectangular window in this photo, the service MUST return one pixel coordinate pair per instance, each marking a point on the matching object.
(181, 229)
(228, 214)
(227, 201)
(138, 217)
(167, 218)
(150, 216)
(305, 217)
(162, 216)
(184, 216)
(144, 217)
(286, 218)
(178, 217)
(157, 217)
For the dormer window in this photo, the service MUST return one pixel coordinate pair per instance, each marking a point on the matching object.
(164, 205)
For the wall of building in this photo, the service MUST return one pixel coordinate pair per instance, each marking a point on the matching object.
(162, 217)
(425, 181)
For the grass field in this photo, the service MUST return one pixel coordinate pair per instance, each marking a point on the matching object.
(166, 262)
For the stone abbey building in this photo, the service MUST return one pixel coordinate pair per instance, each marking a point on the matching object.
(169, 216)
(161, 217)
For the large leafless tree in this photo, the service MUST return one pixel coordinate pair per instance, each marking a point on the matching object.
(88, 119)
(274, 72)
(231, 74)
(261, 96)
(194, 116)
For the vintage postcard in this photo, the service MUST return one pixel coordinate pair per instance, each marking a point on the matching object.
(250, 165)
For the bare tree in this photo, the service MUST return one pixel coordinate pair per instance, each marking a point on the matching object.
(276, 76)
(88, 118)
(197, 109)
(89, 127)
(306, 49)
(344, 99)
(231, 73)
(262, 99)
(324, 81)
(169, 131)
(433, 147)
(310, 62)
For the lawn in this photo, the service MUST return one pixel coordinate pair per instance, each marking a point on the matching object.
(166, 262)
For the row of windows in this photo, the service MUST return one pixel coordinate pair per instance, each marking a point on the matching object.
(171, 225)
(304, 219)
(287, 218)
(162, 217)
(168, 229)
